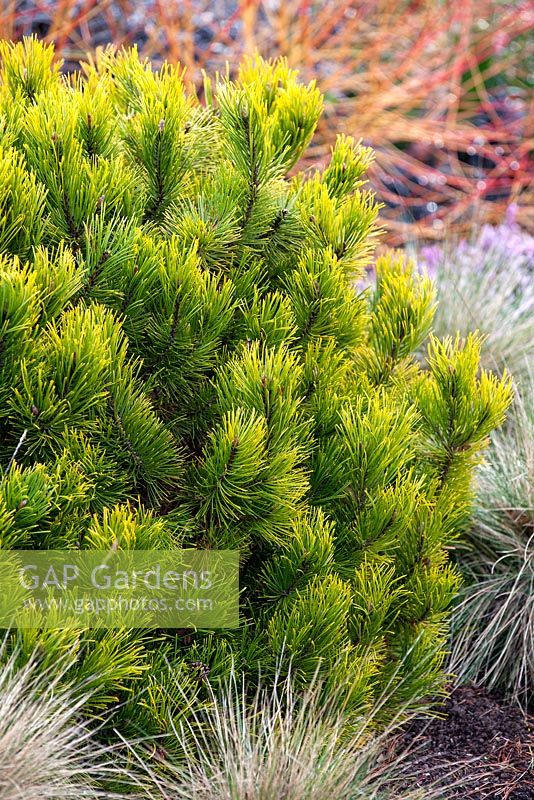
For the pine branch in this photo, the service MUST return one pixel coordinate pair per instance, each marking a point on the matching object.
(254, 168)
(153, 211)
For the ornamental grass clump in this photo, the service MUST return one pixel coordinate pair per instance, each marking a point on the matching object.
(185, 363)
(47, 752)
(493, 623)
(280, 744)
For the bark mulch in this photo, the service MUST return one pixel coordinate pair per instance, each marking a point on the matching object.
(482, 748)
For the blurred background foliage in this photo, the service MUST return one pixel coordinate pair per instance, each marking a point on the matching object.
(441, 90)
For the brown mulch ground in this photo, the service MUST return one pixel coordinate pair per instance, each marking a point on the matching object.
(478, 727)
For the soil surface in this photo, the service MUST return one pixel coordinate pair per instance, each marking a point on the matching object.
(481, 749)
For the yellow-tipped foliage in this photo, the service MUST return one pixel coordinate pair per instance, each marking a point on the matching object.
(185, 361)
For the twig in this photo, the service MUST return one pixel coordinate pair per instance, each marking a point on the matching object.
(17, 448)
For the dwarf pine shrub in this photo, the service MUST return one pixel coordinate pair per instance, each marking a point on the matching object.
(185, 363)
